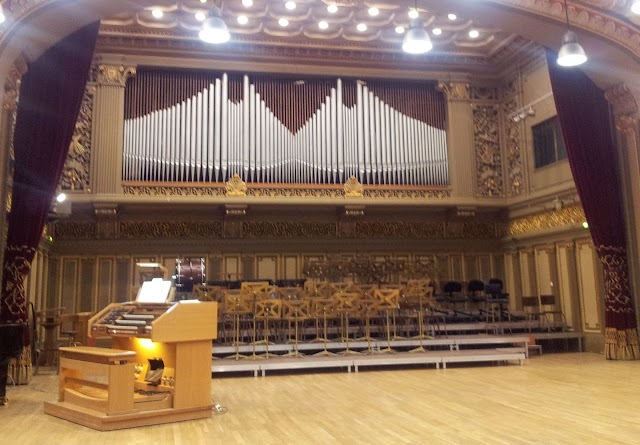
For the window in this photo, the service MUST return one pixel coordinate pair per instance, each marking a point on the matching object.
(548, 145)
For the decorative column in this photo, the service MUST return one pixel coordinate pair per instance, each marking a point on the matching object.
(108, 130)
(459, 138)
(625, 111)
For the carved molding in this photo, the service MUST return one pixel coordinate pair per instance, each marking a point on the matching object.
(337, 192)
(76, 170)
(114, 75)
(513, 152)
(170, 229)
(12, 83)
(549, 220)
(486, 135)
(286, 229)
(621, 99)
(455, 90)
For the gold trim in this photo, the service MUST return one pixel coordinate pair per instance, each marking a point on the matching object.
(549, 220)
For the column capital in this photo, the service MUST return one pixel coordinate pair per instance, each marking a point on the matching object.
(621, 99)
(455, 90)
(114, 75)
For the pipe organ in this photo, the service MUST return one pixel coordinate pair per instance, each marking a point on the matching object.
(204, 127)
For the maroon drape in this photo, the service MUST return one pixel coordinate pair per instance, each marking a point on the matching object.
(50, 97)
(584, 116)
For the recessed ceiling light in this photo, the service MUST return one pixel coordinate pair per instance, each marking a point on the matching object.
(323, 25)
(247, 3)
(283, 22)
(362, 27)
(203, 1)
(200, 16)
(373, 11)
(452, 17)
(474, 34)
(413, 14)
(399, 29)
(290, 5)
(436, 31)
(157, 13)
(332, 8)
(243, 19)
(635, 7)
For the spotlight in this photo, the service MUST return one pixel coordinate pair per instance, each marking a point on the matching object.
(474, 34)
(157, 13)
(416, 40)
(290, 5)
(373, 11)
(413, 14)
(362, 27)
(283, 22)
(323, 25)
(452, 17)
(399, 29)
(332, 8)
(243, 19)
(436, 31)
(570, 53)
(214, 29)
(61, 197)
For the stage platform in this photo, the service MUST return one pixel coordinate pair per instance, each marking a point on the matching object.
(259, 359)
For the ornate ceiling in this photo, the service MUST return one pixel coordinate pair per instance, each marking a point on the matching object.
(353, 34)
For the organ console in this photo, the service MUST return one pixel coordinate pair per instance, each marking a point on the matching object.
(157, 371)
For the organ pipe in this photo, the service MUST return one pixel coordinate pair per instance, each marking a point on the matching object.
(279, 131)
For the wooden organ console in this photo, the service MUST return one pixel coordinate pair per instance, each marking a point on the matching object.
(157, 371)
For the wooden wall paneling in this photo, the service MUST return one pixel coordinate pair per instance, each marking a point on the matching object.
(484, 268)
(512, 280)
(457, 271)
(248, 266)
(568, 283)
(136, 278)
(68, 295)
(528, 272)
(54, 279)
(87, 285)
(443, 267)
(290, 267)
(267, 267)
(106, 282)
(231, 267)
(588, 286)
(471, 270)
(498, 266)
(544, 280)
(123, 280)
(169, 261)
(402, 277)
(214, 268)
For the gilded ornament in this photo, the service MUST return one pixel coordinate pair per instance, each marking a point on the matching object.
(236, 186)
(353, 188)
(548, 220)
(486, 137)
(76, 170)
(455, 90)
(621, 99)
(114, 75)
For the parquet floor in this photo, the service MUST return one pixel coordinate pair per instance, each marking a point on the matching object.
(568, 398)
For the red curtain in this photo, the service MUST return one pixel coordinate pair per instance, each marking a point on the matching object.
(584, 116)
(50, 96)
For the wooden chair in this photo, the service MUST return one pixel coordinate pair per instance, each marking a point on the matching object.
(531, 310)
(549, 312)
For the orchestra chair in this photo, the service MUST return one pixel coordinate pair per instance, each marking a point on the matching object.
(346, 304)
(549, 312)
(237, 304)
(322, 309)
(295, 308)
(454, 297)
(475, 294)
(531, 311)
(386, 300)
(268, 309)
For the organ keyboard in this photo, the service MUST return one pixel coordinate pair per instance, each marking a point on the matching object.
(146, 332)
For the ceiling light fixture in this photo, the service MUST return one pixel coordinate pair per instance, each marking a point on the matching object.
(417, 40)
(157, 13)
(247, 3)
(373, 11)
(283, 22)
(436, 31)
(635, 7)
(413, 13)
(332, 8)
(243, 19)
(399, 29)
(2, 16)
(323, 25)
(452, 17)
(362, 27)
(200, 16)
(474, 34)
(571, 53)
(290, 5)
(214, 29)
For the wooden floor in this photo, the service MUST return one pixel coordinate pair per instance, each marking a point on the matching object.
(554, 399)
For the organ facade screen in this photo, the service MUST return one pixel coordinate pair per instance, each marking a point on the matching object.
(183, 126)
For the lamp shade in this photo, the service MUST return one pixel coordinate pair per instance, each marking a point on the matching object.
(416, 40)
(571, 53)
(214, 29)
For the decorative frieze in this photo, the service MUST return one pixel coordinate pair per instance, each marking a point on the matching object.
(513, 152)
(76, 170)
(289, 229)
(455, 90)
(113, 75)
(169, 229)
(552, 219)
(486, 136)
